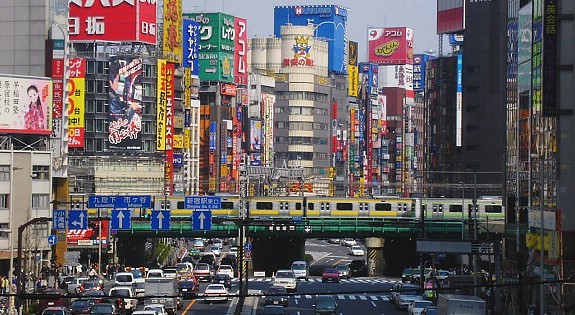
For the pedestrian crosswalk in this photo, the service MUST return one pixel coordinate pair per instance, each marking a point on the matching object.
(362, 280)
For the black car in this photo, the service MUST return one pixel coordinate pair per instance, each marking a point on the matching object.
(81, 306)
(187, 288)
(276, 295)
(325, 305)
(223, 279)
(407, 275)
(103, 308)
(273, 310)
(358, 268)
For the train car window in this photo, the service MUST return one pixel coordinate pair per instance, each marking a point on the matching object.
(380, 206)
(327, 206)
(322, 206)
(493, 209)
(180, 205)
(165, 205)
(440, 209)
(281, 205)
(455, 208)
(298, 205)
(286, 205)
(310, 206)
(361, 206)
(344, 206)
(264, 205)
(435, 206)
(227, 205)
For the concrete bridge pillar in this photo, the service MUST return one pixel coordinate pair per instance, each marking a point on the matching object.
(375, 258)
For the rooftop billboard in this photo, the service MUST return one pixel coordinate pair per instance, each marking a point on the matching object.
(25, 105)
(122, 21)
(390, 45)
(450, 16)
(330, 22)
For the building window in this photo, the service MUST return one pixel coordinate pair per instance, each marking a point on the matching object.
(90, 106)
(89, 125)
(90, 67)
(40, 172)
(101, 67)
(4, 201)
(4, 172)
(40, 201)
(100, 86)
(4, 228)
(40, 230)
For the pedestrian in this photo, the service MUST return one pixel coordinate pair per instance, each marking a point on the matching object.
(2, 287)
(6, 285)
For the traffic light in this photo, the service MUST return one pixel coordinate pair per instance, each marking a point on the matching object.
(144, 214)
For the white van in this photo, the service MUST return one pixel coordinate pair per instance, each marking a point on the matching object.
(155, 273)
(301, 269)
(124, 279)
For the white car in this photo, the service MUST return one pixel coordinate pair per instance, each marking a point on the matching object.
(216, 292)
(417, 306)
(285, 278)
(226, 270)
(356, 251)
(348, 242)
(233, 251)
(158, 308)
(216, 250)
(155, 273)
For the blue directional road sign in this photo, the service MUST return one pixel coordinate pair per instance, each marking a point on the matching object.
(119, 202)
(59, 220)
(160, 220)
(78, 219)
(52, 239)
(248, 246)
(202, 202)
(202, 220)
(121, 220)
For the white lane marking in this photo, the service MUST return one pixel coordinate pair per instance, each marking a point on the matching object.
(373, 297)
(373, 303)
(341, 297)
(352, 297)
(362, 297)
(307, 296)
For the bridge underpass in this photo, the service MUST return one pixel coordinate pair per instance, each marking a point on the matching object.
(276, 243)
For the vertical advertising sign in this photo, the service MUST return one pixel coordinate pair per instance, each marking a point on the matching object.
(125, 103)
(117, 21)
(549, 71)
(172, 39)
(352, 76)
(390, 45)
(169, 131)
(25, 105)
(334, 140)
(419, 62)
(76, 99)
(191, 46)
(240, 51)
(161, 106)
(459, 101)
(255, 135)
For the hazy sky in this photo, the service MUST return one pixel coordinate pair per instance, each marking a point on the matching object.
(420, 15)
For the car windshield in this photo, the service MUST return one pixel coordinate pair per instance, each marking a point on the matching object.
(90, 285)
(225, 268)
(124, 278)
(52, 312)
(137, 273)
(330, 270)
(342, 268)
(284, 274)
(298, 266)
(222, 277)
(153, 308)
(102, 309)
(325, 302)
(81, 304)
(140, 285)
(422, 304)
(215, 287)
(120, 292)
(407, 272)
(186, 284)
(201, 267)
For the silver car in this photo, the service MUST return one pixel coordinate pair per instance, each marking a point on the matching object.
(301, 269)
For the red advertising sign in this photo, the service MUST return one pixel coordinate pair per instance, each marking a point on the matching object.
(77, 67)
(390, 45)
(90, 236)
(58, 68)
(240, 51)
(58, 98)
(228, 89)
(113, 20)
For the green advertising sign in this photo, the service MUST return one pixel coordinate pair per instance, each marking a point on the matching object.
(217, 66)
(217, 31)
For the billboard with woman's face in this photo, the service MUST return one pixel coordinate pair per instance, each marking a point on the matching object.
(25, 105)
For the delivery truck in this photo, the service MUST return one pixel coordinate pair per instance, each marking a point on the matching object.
(455, 304)
(162, 291)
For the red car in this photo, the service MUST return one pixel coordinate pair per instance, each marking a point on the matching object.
(330, 275)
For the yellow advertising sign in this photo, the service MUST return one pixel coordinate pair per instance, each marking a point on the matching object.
(534, 240)
(172, 39)
(76, 97)
(161, 107)
(553, 245)
(352, 78)
(178, 141)
(187, 138)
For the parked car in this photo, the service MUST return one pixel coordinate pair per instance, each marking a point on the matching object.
(216, 292)
(325, 305)
(285, 278)
(276, 296)
(223, 279)
(356, 250)
(344, 271)
(301, 269)
(187, 288)
(330, 275)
